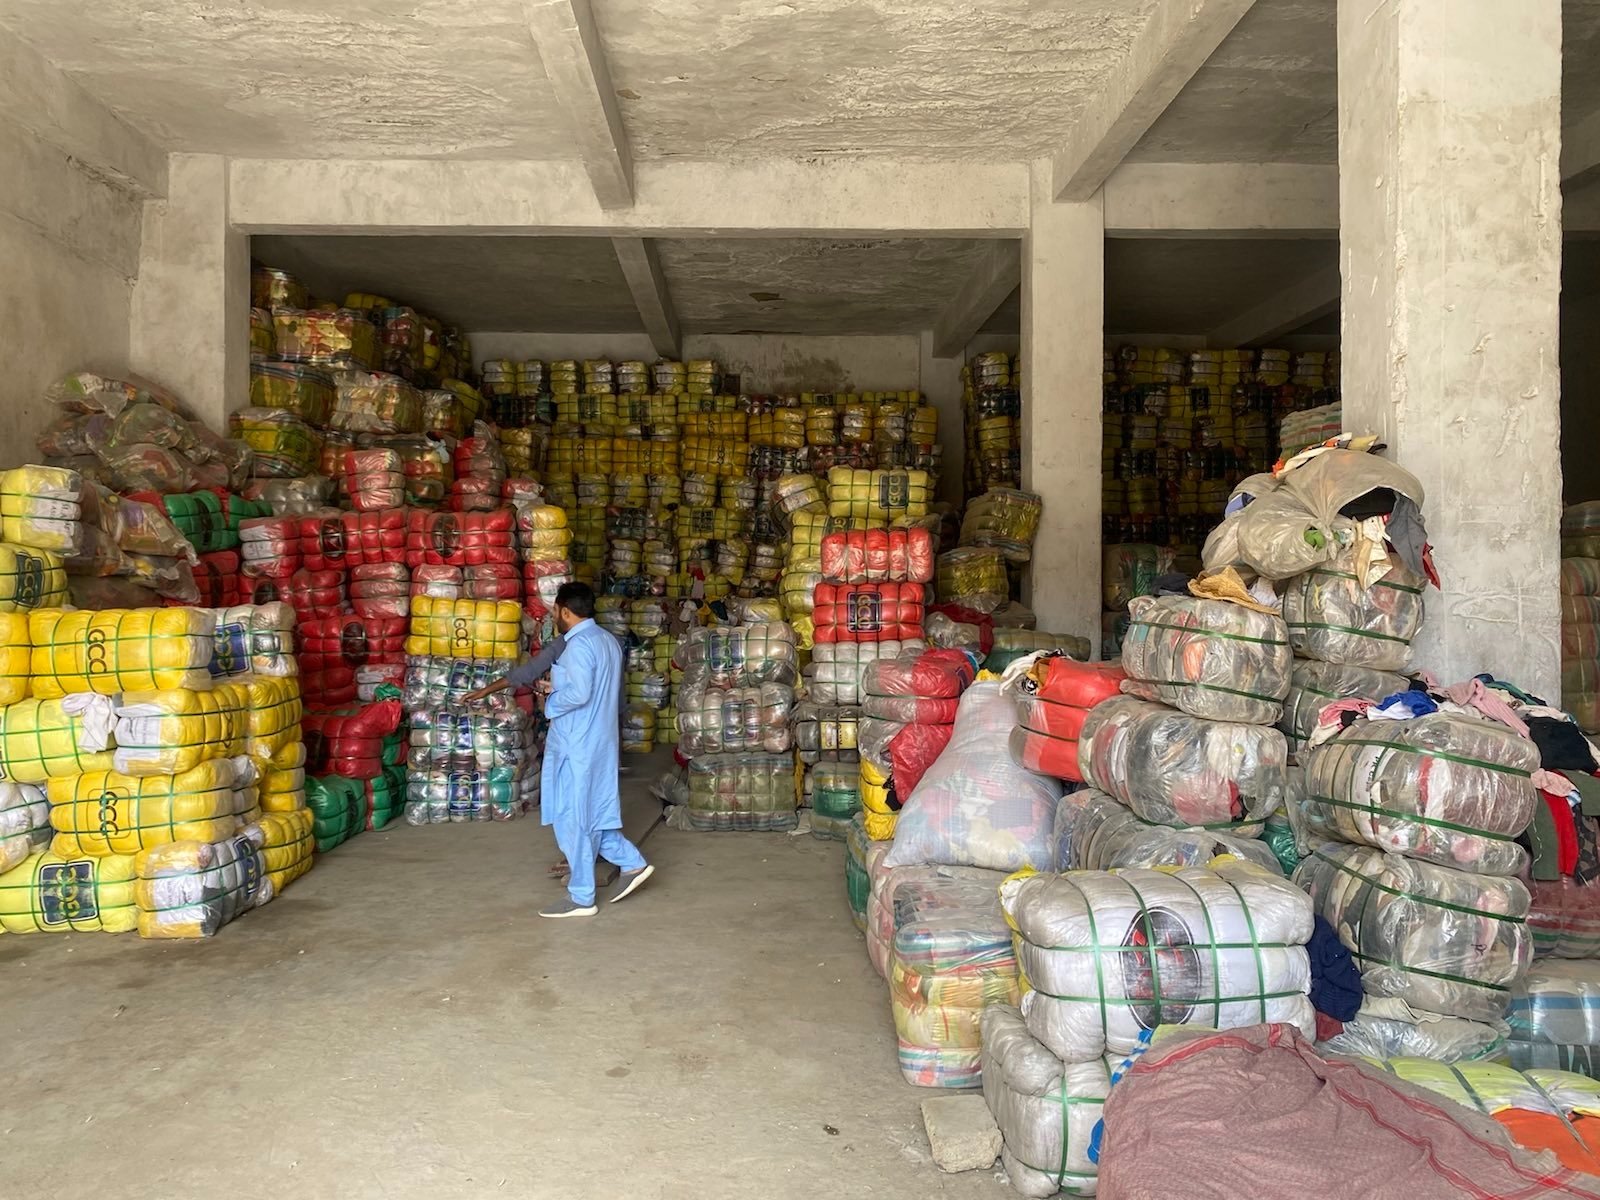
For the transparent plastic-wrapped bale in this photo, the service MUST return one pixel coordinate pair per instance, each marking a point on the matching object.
(1333, 618)
(1103, 835)
(1215, 660)
(1314, 685)
(743, 792)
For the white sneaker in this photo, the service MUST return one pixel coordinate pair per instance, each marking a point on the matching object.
(628, 883)
(568, 908)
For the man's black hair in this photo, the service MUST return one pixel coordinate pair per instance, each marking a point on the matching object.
(576, 597)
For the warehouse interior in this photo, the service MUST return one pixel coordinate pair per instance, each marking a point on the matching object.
(845, 199)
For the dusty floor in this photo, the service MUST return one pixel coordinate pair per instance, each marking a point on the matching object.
(399, 1024)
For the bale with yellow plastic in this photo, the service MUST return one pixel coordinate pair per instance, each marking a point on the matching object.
(15, 657)
(167, 733)
(192, 889)
(106, 812)
(286, 846)
(42, 507)
(477, 629)
(879, 495)
(54, 893)
(281, 787)
(274, 716)
(42, 739)
(31, 579)
(119, 649)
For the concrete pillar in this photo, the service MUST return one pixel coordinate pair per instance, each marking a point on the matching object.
(1063, 320)
(940, 382)
(1450, 252)
(190, 325)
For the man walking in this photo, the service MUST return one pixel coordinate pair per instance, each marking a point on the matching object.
(578, 787)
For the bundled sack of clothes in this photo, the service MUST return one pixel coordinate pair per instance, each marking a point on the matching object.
(1449, 788)
(714, 720)
(742, 792)
(878, 556)
(951, 958)
(1359, 610)
(1213, 659)
(738, 655)
(1004, 518)
(922, 688)
(1093, 832)
(1555, 1017)
(1443, 941)
(1112, 955)
(1315, 685)
(192, 889)
(975, 806)
(836, 670)
(1054, 696)
(1175, 769)
(24, 823)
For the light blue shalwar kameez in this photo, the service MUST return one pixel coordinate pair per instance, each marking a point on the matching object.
(578, 786)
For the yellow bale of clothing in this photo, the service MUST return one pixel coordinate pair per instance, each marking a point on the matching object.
(880, 819)
(192, 889)
(465, 628)
(107, 812)
(53, 893)
(275, 710)
(282, 783)
(117, 650)
(16, 657)
(877, 495)
(42, 507)
(30, 579)
(170, 732)
(708, 454)
(719, 423)
(286, 846)
(41, 740)
(781, 427)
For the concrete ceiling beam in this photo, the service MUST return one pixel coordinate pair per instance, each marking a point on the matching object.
(769, 198)
(1222, 200)
(1179, 37)
(641, 267)
(49, 104)
(1580, 150)
(996, 276)
(1315, 296)
(569, 46)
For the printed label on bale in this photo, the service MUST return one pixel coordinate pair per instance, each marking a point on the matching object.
(28, 589)
(330, 538)
(249, 863)
(96, 654)
(1161, 979)
(230, 654)
(894, 489)
(864, 612)
(446, 536)
(66, 892)
(353, 646)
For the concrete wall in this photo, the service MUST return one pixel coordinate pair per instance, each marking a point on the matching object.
(69, 242)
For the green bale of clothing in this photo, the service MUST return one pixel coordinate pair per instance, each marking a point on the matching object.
(338, 809)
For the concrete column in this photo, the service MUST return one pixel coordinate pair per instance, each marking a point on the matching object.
(1063, 323)
(190, 325)
(940, 381)
(1450, 252)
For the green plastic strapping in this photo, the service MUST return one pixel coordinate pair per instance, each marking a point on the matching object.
(1414, 818)
(1199, 632)
(1445, 904)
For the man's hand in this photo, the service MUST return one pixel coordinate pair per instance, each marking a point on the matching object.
(543, 687)
(481, 694)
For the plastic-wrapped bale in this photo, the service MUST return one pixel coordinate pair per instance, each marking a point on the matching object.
(742, 791)
(42, 507)
(721, 720)
(879, 802)
(24, 822)
(287, 842)
(440, 797)
(1174, 769)
(741, 655)
(465, 628)
(1555, 1018)
(1053, 699)
(30, 579)
(119, 650)
(1443, 941)
(42, 739)
(1491, 1088)
(274, 716)
(1132, 570)
(1112, 955)
(1048, 1111)
(350, 743)
(975, 806)
(54, 893)
(1446, 788)
(1004, 518)
(922, 688)
(835, 799)
(372, 537)
(1096, 833)
(952, 958)
(281, 779)
(879, 495)
(172, 732)
(1332, 618)
(460, 539)
(826, 733)
(878, 556)
(1012, 644)
(304, 391)
(867, 612)
(192, 889)
(480, 739)
(1564, 919)
(1314, 685)
(1215, 660)
(246, 790)
(338, 808)
(861, 855)
(285, 447)
(253, 639)
(1427, 1035)
(385, 797)
(883, 884)
(374, 402)
(836, 670)
(105, 812)
(973, 577)
(901, 754)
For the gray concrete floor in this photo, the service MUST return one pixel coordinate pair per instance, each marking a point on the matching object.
(399, 1024)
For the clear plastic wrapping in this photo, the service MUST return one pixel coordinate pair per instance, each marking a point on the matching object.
(974, 577)
(1235, 937)
(738, 655)
(1314, 685)
(1331, 617)
(1100, 834)
(722, 720)
(1175, 769)
(1555, 1017)
(834, 676)
(1446, 788)
(1444, 941)
(454, 797)
(24, 823)
(742, 792)
(1004, 518)
(192, 889)
(975, 806)
(1215, 660)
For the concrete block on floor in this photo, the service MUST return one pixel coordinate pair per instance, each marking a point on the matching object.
(961, 1132)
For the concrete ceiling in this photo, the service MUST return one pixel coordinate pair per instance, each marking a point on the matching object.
(574, 285)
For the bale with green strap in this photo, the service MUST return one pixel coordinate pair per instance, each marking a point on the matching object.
(1443, 941)
(339, 808)
(1175, 769)
(1445, 788)
(1332, 617)
(1102, 834)
(1315, 685)
(1046, 1110)
(1214, 660)
(1111, 955)
(193, 889)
